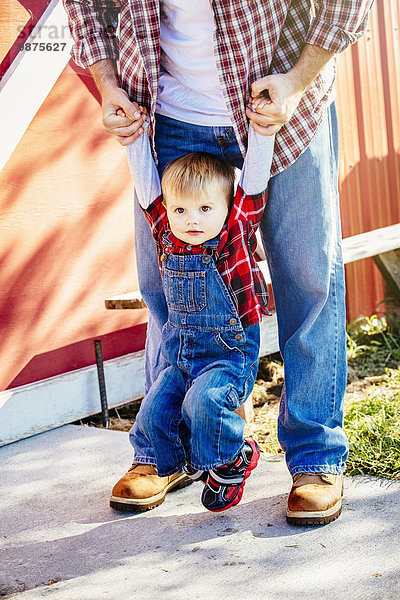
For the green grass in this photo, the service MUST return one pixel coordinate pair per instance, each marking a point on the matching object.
(373, 423)
(373, 429)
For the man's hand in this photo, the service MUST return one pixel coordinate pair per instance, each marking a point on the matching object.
(276, 97)
(268, 112)
(121, 117)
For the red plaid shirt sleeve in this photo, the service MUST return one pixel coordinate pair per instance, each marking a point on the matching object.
(336, 25)
(248, 208)
(252, 39)
(235, 257)
(156, 215)
(93, 25)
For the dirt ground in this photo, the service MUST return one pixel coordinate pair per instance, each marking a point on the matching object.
(266, 396)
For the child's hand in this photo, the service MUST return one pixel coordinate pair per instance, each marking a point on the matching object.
(127, 121)
(143, 112)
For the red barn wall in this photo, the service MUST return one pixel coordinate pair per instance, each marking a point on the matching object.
(66, 208)
(368, 94)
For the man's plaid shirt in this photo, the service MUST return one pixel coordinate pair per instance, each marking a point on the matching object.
(233, 255)
(252, 39)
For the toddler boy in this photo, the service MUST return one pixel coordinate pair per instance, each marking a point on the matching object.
(216, 296)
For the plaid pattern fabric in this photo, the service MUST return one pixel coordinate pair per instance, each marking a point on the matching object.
(233, 256)
(252, 39)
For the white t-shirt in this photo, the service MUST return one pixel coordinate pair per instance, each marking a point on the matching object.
(189, 87)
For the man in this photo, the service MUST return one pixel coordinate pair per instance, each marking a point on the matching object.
(193, 66)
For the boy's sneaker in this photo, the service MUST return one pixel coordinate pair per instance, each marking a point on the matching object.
(195, 474)
(224, 487)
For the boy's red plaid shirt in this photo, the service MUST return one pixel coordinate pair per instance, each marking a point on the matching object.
(234, 255)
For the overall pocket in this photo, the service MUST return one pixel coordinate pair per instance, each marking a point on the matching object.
(231, 340)
(232, 348)
(184, 290)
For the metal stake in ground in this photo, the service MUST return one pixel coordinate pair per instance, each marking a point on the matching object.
(102, 382)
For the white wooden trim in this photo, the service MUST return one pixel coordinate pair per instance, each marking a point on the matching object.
(356, 247)
(37, 407)
(131, 300)
(31, 76)
(43, 405)
(371, 243)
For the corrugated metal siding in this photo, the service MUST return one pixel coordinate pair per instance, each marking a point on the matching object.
(369, 117)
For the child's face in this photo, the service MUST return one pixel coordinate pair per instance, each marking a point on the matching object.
(194, 220)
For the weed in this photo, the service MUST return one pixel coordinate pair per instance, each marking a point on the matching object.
(373, 429)
(373, 344)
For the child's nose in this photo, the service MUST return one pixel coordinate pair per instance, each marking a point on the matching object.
(193, 218)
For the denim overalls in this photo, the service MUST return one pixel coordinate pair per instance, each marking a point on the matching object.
(188, 413)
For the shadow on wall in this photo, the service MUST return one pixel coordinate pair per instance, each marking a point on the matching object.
(368, 99)
(67, 235)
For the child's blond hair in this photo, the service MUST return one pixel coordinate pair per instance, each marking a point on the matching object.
(192, 174)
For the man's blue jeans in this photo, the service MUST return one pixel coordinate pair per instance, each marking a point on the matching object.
(302, 240)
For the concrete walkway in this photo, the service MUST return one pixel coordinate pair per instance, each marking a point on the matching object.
(59, 539)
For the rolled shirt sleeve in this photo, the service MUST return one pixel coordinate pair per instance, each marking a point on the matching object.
(338, 23)
(93, 24)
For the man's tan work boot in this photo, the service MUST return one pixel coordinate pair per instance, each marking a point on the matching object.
(141, 488)
(315, 499)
